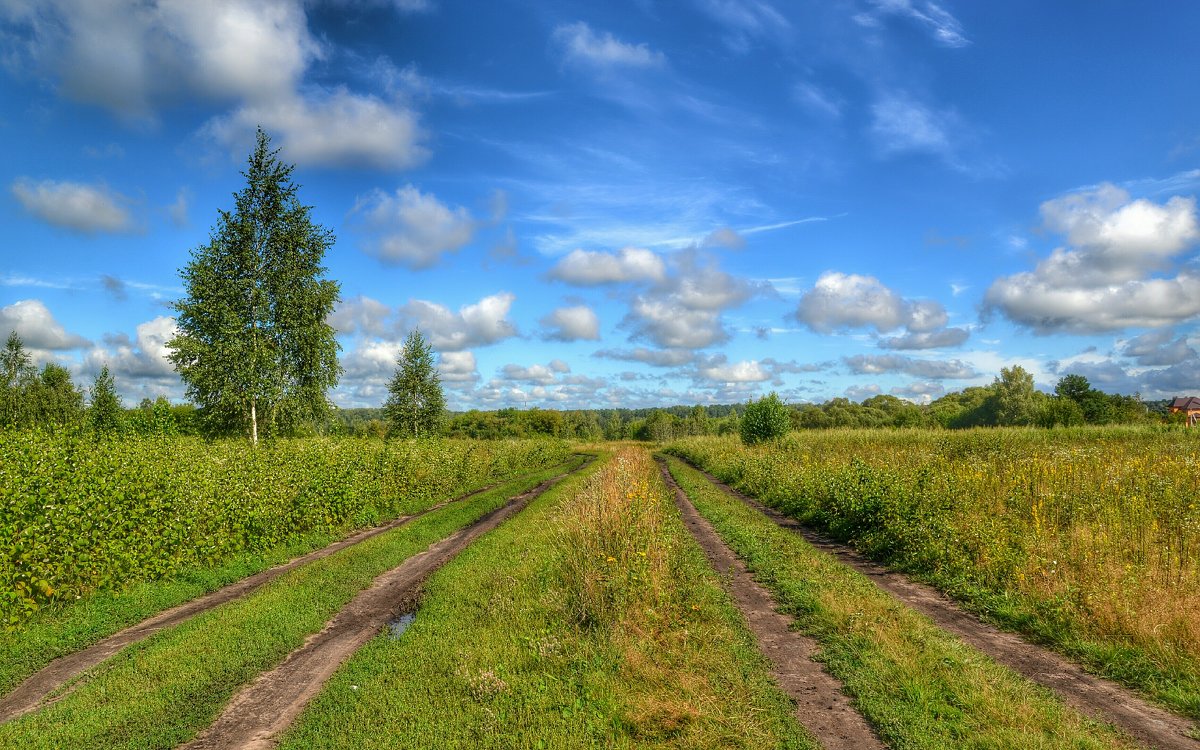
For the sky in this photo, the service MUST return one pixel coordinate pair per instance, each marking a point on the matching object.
(627, 204)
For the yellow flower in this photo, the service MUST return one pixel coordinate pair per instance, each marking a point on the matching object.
(612, 559)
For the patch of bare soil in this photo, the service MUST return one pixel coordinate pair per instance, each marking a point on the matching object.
(1099, 698)
(821, 706)
(32, 693)
(256, 716)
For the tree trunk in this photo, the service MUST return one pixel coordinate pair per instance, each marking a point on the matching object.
(253, 423)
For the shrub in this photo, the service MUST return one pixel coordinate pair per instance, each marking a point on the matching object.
(765, 420)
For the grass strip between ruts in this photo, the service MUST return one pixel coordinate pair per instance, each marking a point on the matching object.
(64, 629)
(162, 691)
(495, 659)
(919, 687)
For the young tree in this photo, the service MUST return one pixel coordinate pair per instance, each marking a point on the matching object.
(16, 375)
(765, 420)
(253, 344)
(416, 406)
(1016, 400)
(105, 413)
(52, 400)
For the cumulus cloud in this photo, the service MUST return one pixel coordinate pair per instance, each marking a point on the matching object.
(74, 205)
(330, 128)
(412, 228)
(862, 392)
(721, 371)
(133, 58)
(927, 339)
(670, 325)
(581, 45)
(841, 301)
(360, 315)
(540, 374)
(879, 364)
(593, 268)
(143, 358)
(1102, 280)
(724, 237)
(1159, 348)
(129, 56)
(478, 324)
(652, 357)
(458, 367)
(36, 326)
(578, 323)
(919, 391)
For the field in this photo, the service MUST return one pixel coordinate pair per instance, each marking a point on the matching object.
(1085, 539)
(532, 594)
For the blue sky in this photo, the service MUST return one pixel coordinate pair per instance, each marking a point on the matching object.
(628, 203)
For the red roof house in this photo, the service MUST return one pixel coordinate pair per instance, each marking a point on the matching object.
(1189, 405)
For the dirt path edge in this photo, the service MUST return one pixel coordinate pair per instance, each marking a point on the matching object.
(820, 703)
(1095, 696)
(256, 717)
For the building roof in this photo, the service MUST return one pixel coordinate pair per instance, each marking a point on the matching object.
(1186, 403)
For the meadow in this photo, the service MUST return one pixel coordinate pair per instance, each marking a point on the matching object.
(1086, 539)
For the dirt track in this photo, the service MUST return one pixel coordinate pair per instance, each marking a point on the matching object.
(1097, 697)
(256, 716)
(821, 706)
(31, 693)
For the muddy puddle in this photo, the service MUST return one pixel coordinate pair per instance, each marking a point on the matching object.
(397, 626)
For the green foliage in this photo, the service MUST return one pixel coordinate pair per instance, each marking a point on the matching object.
(1015, 399)
(416, 407)
(78, 514)
(253, 346)
(765, 420)
(105, 413)
(16, 374)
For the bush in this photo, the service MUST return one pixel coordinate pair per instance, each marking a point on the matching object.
(765, 420)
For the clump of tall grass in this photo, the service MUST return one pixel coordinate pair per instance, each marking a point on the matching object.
(616, 556)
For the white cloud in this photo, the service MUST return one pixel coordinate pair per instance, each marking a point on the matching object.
(360, 315)
(144, 359)
(478, 324)
(458, 367)
(652, 357)
(540, 374)
(36, 326)
(331, 128)
(748, 371)
(572, 324)
(919, 391)
(130, 57)
(900, 125)
(579, 44)
(1102, 280)
(878, 364)
(927, 340)
(412, 228)
(843, 301)
(944, 27)
(74, 205)
(593, 268)
(178, 211)
(669, 325)
(724, 237)
(1158, 348)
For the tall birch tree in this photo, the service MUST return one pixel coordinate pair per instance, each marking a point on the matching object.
(253, 343)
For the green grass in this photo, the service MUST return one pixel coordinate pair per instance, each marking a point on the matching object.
(918, 686)
(63, 628)
(498, 656)
(162, 691)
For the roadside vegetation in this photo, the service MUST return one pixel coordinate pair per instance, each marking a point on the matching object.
(162, 691)
(1087, 540)
(918, 686)
(79, 515)
(590, 620)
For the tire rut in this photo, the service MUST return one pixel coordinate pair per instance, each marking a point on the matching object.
(259, 713)
(1095, 696)
(821, 705)
(33, 692)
